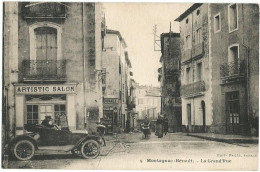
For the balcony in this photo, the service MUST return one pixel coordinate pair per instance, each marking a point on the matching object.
(44, 70)
(32, 10)
(233, 71)
(197, 50)
(186, 55)
(194, 89)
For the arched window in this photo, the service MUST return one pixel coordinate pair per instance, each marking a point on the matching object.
(233, 59)
(45, 41)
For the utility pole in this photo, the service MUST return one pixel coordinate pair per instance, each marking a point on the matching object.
(157, 41)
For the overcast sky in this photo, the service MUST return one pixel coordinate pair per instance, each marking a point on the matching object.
(135, 22)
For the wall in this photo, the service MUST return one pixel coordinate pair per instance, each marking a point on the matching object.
(77, 26)
(196, 21)
(247, 17)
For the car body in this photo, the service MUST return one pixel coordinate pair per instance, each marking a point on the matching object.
(42, 137)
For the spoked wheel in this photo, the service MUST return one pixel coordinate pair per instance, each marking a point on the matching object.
(24, 150)
(90, 149)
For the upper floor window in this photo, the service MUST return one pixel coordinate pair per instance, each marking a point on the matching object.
(198, 36)
(46, 43)
(217, 23)
(233, 59)
(199, 71)
(233, 17)
(233, 53)
(198, 12)
(187, 21)
(187, 75)
(188, 42)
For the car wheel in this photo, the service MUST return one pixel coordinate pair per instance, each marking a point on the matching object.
(24, 150)
(90, 149)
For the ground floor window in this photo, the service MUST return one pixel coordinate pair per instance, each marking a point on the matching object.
(232, 100)
(40, 106)
(32, 114)
(60, 114)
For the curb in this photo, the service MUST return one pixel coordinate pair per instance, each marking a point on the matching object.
(238, 140)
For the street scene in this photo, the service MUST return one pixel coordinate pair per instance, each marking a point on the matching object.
(130, 86)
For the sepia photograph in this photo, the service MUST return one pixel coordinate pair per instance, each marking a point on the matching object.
(130, 86)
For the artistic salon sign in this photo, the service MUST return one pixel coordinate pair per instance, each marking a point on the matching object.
(45, 89)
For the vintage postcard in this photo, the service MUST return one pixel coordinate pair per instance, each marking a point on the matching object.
(130, 86)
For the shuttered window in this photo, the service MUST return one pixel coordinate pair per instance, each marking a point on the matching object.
(46, 43)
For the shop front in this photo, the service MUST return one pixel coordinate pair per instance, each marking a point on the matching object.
(110, 111)
(35, 102)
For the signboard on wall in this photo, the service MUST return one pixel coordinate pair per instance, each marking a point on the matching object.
(46, 89)
(110, 100)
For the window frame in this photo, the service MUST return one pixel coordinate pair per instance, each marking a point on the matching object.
(216, 31)
(186, 42)
(230, 31)
(198, 36)
(201, 70)
(229, 49)
(187, 77)
(32, 36)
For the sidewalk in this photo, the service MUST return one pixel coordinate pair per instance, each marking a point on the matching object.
(225, 138)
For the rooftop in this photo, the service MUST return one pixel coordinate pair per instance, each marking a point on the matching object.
(109, 31)
(188, 11)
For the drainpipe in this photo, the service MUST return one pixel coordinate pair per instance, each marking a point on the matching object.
(84, 63)
(192, 68)
(247, 72)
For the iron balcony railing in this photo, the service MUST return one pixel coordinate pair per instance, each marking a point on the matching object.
(193, 89)
(235, 68)
(44, 70)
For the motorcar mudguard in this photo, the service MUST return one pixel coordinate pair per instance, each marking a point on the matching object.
(96, 138)
(21, 137)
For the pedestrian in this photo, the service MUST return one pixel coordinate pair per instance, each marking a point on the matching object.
(101, 131)
(165, 126)
(159, 127)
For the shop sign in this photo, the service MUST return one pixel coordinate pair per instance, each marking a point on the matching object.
(45, 89)
(110, 101)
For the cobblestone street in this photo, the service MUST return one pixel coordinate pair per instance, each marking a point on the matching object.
(132, 152)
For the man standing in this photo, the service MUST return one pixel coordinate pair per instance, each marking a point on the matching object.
(165, 126)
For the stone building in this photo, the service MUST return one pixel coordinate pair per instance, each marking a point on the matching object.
(116, 63)
(148, 101)
(169, 77)
(223, 55)
(56, 55)
(195, 69)
(234, 48)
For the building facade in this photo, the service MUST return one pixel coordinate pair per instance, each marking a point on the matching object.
(148, 101)
(58, 69)
(222, 63)
(235, 73)
(195, 70)
(169, 77)
(116, 63)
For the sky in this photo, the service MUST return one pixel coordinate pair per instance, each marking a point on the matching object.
(135, 22)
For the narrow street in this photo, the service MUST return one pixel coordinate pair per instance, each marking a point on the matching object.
(174, 151)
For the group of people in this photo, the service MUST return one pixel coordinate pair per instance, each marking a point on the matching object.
(161, 127)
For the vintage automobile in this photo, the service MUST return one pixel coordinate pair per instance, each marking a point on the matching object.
(42, 137)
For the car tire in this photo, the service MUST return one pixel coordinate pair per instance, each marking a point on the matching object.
(24, 150)
(90, 149)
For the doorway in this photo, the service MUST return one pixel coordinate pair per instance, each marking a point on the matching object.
(203, 115)
(189, 116)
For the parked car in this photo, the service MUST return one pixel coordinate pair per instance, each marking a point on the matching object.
(52, 138)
